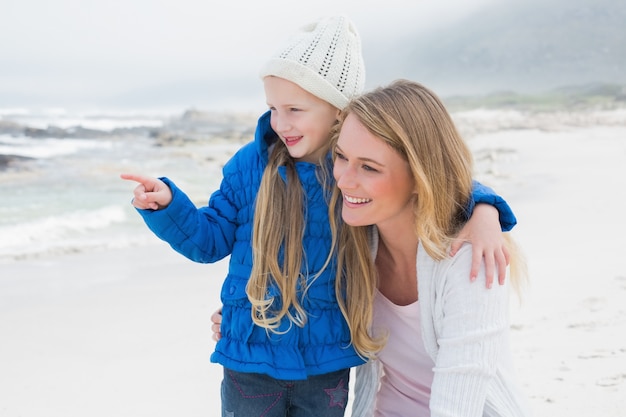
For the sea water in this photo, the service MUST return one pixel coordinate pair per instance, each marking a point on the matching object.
(66, 195)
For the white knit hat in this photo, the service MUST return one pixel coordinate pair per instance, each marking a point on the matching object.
(325, 59)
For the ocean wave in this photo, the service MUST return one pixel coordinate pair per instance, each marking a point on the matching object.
(48, 148)
(67, 232)
(97, 120)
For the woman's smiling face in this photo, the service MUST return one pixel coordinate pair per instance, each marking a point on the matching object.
(375, 181)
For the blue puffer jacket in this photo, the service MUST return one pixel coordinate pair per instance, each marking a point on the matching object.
(224, 227)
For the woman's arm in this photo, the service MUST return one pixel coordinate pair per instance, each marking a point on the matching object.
(471, 328)
(365, 388)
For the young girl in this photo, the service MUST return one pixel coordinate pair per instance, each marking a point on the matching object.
(403, 176)
(285, 346)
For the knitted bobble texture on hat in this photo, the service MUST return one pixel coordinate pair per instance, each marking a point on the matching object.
(325, 59)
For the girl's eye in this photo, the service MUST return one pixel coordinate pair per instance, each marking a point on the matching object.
(339, 155)
(293, 109)
(369, 168)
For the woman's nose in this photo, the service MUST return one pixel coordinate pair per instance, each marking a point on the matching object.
(345, 177)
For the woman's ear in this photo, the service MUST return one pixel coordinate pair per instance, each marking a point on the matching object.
(415, 187)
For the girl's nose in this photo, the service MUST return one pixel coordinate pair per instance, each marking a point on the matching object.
(280, 123)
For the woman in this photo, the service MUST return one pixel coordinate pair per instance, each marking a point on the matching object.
(437, 344)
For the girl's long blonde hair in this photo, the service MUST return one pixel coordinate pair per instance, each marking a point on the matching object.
(279, 223)
(413, 121)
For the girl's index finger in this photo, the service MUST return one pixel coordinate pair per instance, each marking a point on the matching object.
(137, 178)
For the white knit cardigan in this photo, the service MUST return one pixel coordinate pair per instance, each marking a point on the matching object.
(465, 329)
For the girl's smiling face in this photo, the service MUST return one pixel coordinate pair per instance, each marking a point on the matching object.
(375, 181)
(302, 121)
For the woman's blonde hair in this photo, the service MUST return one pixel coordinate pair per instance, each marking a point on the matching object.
(413, 121)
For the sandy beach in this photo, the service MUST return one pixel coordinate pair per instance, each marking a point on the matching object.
(126, 332)
(117, 333)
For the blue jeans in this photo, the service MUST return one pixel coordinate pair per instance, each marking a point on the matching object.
(259, 395)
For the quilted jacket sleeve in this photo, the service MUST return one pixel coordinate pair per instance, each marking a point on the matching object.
(205, 234)
(483, 194)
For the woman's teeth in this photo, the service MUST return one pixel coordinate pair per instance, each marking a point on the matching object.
(355, 200)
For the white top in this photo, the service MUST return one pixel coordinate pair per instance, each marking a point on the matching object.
(408, 369)
(465, 330)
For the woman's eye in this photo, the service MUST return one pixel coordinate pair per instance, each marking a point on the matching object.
(369, 168)
(340, 156)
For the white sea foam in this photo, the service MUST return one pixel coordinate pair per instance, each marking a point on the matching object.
(47, 147)
(52, 233)
(97, 120)
(13, 111)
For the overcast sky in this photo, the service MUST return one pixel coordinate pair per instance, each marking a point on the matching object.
(64, 52)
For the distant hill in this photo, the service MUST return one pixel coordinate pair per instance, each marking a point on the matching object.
(519, 46)
(572, 98)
